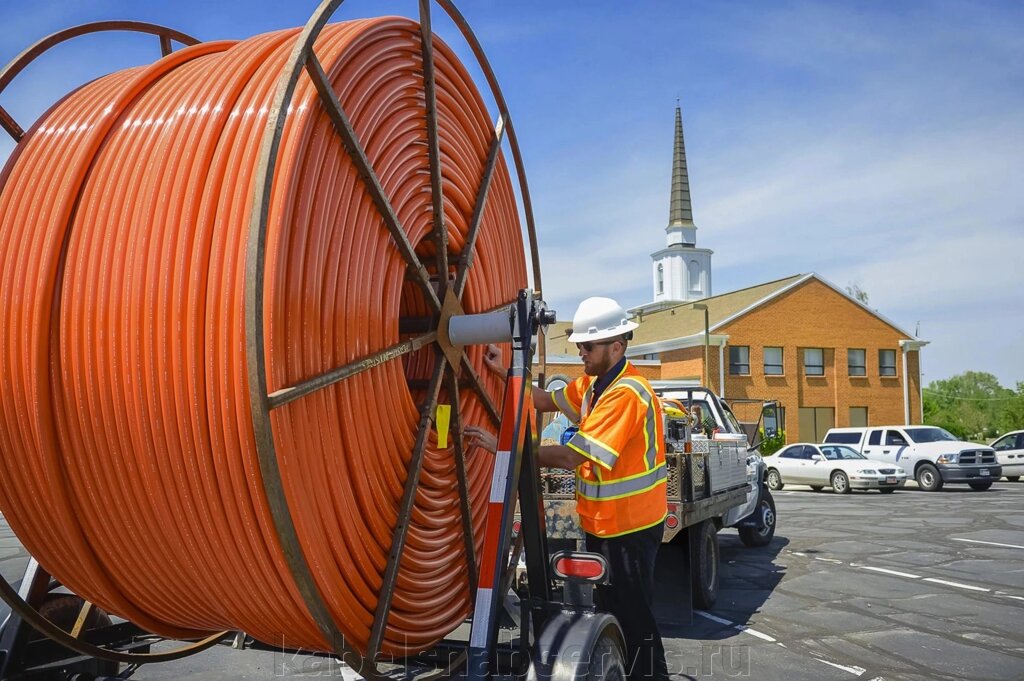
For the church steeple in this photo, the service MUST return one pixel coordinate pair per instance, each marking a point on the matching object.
(680, 213)
(681, 271)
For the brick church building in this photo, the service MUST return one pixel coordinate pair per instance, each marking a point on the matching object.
(827, 359)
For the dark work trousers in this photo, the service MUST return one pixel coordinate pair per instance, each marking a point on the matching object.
(629, 597)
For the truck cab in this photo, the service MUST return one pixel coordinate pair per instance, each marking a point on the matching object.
(931, 454)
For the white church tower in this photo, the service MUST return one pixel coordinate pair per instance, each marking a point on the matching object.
(680, 272)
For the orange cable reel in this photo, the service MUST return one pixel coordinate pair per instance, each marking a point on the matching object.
(128, 457)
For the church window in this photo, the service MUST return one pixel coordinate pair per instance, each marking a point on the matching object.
(695, 276)
(661, 278)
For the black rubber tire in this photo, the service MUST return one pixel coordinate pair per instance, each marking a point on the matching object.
(980, 486)
(816, 488)
(774, 480)
(887, 490)
(752, 536)
(607, 661)
(63, 610)
(704, 573)
(840, 482)
(1012, 478)
(928, 478)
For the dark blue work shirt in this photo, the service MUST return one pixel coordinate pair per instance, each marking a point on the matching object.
(605, 380)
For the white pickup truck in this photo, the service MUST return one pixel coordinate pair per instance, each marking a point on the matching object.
(932, 455)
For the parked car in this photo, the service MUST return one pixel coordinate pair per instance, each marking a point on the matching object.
(838, 466)
(1010, 454)
(933, 456)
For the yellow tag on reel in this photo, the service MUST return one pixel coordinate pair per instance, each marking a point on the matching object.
(442, 419)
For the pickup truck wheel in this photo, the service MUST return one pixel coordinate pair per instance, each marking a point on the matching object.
(1013, 478)
(980, 486)
(887, 490)
(754, 537)
(928, 478)
(840, 483)
(704, 572)
(774, 480)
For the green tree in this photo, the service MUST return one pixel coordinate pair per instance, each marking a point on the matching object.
(972, 405)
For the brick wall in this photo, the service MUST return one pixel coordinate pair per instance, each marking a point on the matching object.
(813, 315)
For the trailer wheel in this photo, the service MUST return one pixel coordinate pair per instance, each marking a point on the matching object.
(63, 610)
(606, 661)
(980, 486)
(755, 537)
(704, 572)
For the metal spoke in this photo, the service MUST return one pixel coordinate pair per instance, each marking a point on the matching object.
(513, 563)
(283, 396)
(460, 472)
(358, 155)
(405, 512)
(478, 208)
(478, 387)
(440, 231)
(10, 125)
(165, 45)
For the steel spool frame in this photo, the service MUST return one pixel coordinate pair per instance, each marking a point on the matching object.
(445, 301)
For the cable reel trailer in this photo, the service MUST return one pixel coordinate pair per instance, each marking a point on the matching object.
(53, 633)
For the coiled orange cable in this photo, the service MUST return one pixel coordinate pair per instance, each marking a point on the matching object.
(128, 464)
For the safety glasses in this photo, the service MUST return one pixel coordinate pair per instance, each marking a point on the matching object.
(590, 345)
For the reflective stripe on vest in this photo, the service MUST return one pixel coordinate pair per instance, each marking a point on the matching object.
(638, 387)
(563, 404)
(594, 449)
(616, 489)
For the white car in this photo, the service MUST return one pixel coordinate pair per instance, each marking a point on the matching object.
(1010, 454)
(836, 466)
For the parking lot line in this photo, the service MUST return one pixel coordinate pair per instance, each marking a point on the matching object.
(888, 572)
(738, 627)
(853, 670)
(989, 543)
(956, 584)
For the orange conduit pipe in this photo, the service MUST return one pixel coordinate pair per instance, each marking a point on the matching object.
(128, 464)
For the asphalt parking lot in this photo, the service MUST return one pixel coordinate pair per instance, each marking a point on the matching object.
(911, 586)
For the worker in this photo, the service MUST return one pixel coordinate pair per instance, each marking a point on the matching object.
(619, 456)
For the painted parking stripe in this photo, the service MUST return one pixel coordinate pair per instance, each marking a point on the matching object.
(853, 670)
(897, 573)
(754, 632)
(956, 584)
(713, 618)
(989, 543)
(738, 627)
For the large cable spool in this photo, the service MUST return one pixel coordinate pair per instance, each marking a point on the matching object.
(223, 283)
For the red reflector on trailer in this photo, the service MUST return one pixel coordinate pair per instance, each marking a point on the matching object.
(671, 521)
(584, 568)
(516, 526)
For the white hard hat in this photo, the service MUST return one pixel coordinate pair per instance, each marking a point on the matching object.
(597, 319)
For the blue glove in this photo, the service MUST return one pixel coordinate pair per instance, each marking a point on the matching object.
(567, 435)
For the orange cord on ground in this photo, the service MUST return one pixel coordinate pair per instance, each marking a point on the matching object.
(128, 464)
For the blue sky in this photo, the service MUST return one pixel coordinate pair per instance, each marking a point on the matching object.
(875, 143)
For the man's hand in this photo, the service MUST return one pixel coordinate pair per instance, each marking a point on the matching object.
(478, 437)
(494, 360)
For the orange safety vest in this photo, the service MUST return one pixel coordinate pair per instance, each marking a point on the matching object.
(620, 488)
